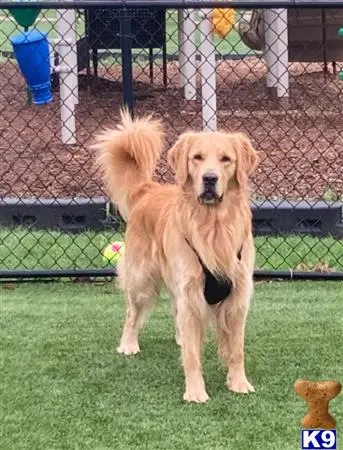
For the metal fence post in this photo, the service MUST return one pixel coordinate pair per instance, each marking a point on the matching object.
(126, 57)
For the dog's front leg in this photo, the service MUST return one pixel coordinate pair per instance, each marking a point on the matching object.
(191, 324)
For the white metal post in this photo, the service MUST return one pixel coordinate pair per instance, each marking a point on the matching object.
(276, 50)
(181, 37)
(282, 51)
(187, 53)
(208, 72)
(67, 69)
(270, 50)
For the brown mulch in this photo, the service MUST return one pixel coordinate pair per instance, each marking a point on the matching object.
(302, 146)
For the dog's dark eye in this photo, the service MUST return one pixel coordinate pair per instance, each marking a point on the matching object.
(225, 159)
(198, 157)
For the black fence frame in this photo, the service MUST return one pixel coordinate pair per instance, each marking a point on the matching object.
(175, 4)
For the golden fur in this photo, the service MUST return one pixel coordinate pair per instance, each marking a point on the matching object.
(159, 220)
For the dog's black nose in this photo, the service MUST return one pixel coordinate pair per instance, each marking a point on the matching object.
(210, 178)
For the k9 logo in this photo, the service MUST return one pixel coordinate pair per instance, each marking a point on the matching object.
(318, 439)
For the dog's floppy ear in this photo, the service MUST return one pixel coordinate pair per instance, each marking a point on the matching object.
(247, 158)
(178, 156)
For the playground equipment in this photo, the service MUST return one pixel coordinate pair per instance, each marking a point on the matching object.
(208, 23)
(223, 20)
(31, 49)
(312, 34)
(219, 21)
(25, 17)
(23, 45)
(275, 54)
(340, 34)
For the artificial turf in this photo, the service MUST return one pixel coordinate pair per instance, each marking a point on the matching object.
(64, 387)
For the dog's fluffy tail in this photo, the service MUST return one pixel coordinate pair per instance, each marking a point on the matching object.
(127, 157)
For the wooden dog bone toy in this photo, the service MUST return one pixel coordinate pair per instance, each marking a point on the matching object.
(318, 395)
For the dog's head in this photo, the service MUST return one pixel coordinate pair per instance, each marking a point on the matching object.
(211, 163)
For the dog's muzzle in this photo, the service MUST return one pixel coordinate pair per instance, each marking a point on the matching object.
(209, 196)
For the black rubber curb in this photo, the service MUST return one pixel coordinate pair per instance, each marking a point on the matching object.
(316, 218)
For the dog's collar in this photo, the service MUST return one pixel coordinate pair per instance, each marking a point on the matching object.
(216, 289)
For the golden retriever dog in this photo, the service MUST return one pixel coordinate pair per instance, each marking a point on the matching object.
(194, 236)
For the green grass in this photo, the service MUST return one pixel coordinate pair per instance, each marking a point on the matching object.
(22, 248)
(25, 248)
(63, 387)
(231, 45)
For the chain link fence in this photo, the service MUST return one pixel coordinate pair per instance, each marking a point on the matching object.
(272, 73)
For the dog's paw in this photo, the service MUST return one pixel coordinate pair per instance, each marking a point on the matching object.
(195, 396)
(240, 386)
(128, 349)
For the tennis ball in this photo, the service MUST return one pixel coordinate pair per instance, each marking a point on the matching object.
(113, 252)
